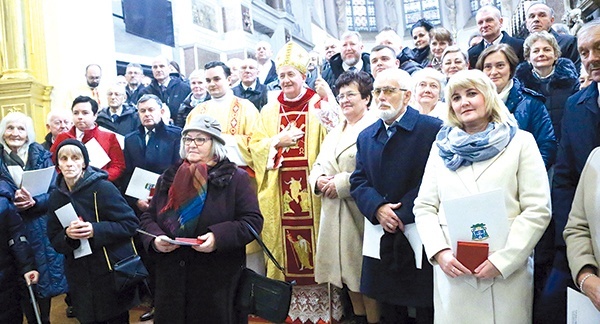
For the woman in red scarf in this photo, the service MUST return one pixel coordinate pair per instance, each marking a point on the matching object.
(204, 197)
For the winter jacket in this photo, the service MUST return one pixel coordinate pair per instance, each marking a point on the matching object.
(177, 90)
(91, 283)
(556, 88)
(16, 257)
(49, 263)
(336, 69)
(126, 123)
(185, 108)
(531, 114)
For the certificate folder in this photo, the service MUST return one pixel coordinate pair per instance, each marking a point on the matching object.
(472, 254)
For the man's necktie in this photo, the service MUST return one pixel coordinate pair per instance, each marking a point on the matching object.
(352, 69)
(114, 117)
(150, 139)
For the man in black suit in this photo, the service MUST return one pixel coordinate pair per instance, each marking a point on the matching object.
(540, 17)
(489, 20)
(249, 87)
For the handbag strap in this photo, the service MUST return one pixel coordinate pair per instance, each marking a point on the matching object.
(103, 247)
(264, 247)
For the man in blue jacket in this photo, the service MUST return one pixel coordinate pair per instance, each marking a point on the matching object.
(580, 135)
(390, 161)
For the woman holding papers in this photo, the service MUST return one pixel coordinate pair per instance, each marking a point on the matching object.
(340, 238)
(581, 232)
(207, 198)
(482, 151)
(99, 226)
(21, 153)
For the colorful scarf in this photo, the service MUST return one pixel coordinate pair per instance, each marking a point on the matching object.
(459, 148)
(187, 198)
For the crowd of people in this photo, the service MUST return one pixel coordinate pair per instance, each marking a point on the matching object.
(348, 169)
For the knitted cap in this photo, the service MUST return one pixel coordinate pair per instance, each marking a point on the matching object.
(206, 124)
(72, 141)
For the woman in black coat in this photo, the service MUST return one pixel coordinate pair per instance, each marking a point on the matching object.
(547, 73)
(16, 256)
(91, 285)
(208, 198)
(21, 153)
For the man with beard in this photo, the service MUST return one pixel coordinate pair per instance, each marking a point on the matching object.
(171, 91)
(400, 140)
(285, 143)
(351, 58)
(249, 87)
(579, 136)
(236, 115)
(92, 89)
(489, 20)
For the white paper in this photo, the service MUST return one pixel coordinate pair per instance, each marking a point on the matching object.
(140, 184)
(580, 309)
(37, 182)
(372, 239)
(120, 138)
(484, 208)
(411, 233)
(16, 173)
(66, 214)
(98, 158)
(168, 239)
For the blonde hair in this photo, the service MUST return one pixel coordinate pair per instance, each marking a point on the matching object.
(467, 79)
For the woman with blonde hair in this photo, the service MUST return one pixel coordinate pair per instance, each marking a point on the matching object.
(482, 150)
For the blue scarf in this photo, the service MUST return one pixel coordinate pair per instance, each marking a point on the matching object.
(459, 148)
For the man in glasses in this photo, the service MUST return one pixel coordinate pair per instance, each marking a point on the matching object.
(390, 161)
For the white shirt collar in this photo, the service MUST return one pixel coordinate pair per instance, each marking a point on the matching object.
(118, 112)
(252, 86)
(358, 65)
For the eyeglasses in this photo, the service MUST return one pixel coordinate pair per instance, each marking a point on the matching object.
(347, 95)
(199, 141)
(386, 91)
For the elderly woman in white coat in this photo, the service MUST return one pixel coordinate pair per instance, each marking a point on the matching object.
(581, 231)
(339, 245)
(483, 150)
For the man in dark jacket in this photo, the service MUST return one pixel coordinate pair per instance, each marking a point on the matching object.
(249, 87)
(540, 17)
(133, 74)
(266, 67)
(119, 117)
(400, 141)
(58, 121)
(351, 58)
(580, 135)
(171, 91)
(489, 20)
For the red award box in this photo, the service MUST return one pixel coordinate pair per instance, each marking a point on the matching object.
(472, 254)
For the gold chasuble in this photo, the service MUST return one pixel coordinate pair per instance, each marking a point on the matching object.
(290, 209)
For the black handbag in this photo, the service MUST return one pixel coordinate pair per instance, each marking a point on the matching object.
(265, 297)
(128, 272)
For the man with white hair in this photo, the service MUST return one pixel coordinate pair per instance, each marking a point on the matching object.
(400, 140)
(540, 17)
(120, 116)
(351, 58)
(266, 66)
(579, 136)
(58, 121)
(489, 20)
(285, 143)
(249, 87)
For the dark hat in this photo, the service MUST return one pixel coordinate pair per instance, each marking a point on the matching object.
(72, 141)
(422, 23)
(206, 124)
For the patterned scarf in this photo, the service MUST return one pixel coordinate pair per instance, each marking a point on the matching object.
(459, 148)
(188, 196)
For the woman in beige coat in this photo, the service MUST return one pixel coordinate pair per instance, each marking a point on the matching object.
(483, 150)
(339, 245)
(582, 231)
